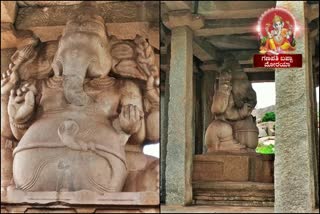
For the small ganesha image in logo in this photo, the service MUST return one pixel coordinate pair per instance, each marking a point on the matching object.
(276, 29)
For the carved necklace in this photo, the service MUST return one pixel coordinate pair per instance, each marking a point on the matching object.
(55, 82)
(102, 82)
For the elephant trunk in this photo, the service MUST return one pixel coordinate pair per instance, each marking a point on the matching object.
(73, 90)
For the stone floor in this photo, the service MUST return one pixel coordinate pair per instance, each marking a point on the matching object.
(217, 209)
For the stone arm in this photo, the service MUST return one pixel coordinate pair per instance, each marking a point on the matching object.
(220, 102)
(221, 97)
(152, 110)
(233, 113)
(6, 131)
(251, 97)
(130, 121)
(9, 81)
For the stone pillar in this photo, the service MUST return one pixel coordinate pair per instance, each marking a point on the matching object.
(179, 145)
(164, 137)
(294, 178)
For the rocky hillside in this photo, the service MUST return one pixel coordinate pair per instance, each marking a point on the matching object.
(259, 113)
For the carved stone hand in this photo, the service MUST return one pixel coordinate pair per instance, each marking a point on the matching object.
(9, 80)
(21, 103)
(130, 119)
(225, 83)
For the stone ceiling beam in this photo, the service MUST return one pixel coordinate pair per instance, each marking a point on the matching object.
(8, 11)
(233, 9)
(242, 55)
(178, 5)
(233, 42)
(209, 66)
(233, 14)
(203, 50)
(206, 32)
(173, 19)
(218, 23)
(123, 19)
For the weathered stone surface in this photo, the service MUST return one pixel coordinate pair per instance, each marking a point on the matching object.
(69, 208)
(229, 42)
(124, 20)
(233, 127)
(294, 178)
(233, 166)
(233, 10)
(207, 84)
(8, 11)
(179, 146)
(82, 197)
(215, 209)
(178, 18)
(262, 132)
(164, 137)
(234, 193)
(80, 131)
(209, 66)
(203, 50)
(216, 167)
(10, 38)
(206, 32)
(5, 58)
(178, 5)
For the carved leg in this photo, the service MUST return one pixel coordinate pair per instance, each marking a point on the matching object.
(7, 147)
(149, 178)
(219, 137)
(143, 173)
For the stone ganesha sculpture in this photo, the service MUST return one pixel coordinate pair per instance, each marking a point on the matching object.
(234, 128)
(75, 123)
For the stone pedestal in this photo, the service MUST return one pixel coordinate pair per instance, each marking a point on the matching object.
(235, 167)
(79, 202)
(233, 179)
(180, 110)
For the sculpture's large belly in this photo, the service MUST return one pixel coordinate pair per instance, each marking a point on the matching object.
(42, 162)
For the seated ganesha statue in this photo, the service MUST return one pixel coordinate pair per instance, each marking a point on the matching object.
(234, 128)
(78, 127)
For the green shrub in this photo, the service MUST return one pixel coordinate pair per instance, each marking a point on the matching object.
(266, 150)
(269, 116)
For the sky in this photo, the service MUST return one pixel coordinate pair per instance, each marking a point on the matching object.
(152, 149)
(266, 96)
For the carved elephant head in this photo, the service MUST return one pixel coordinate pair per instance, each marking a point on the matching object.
(82, 53)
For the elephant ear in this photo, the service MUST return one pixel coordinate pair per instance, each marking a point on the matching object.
(133, 58)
